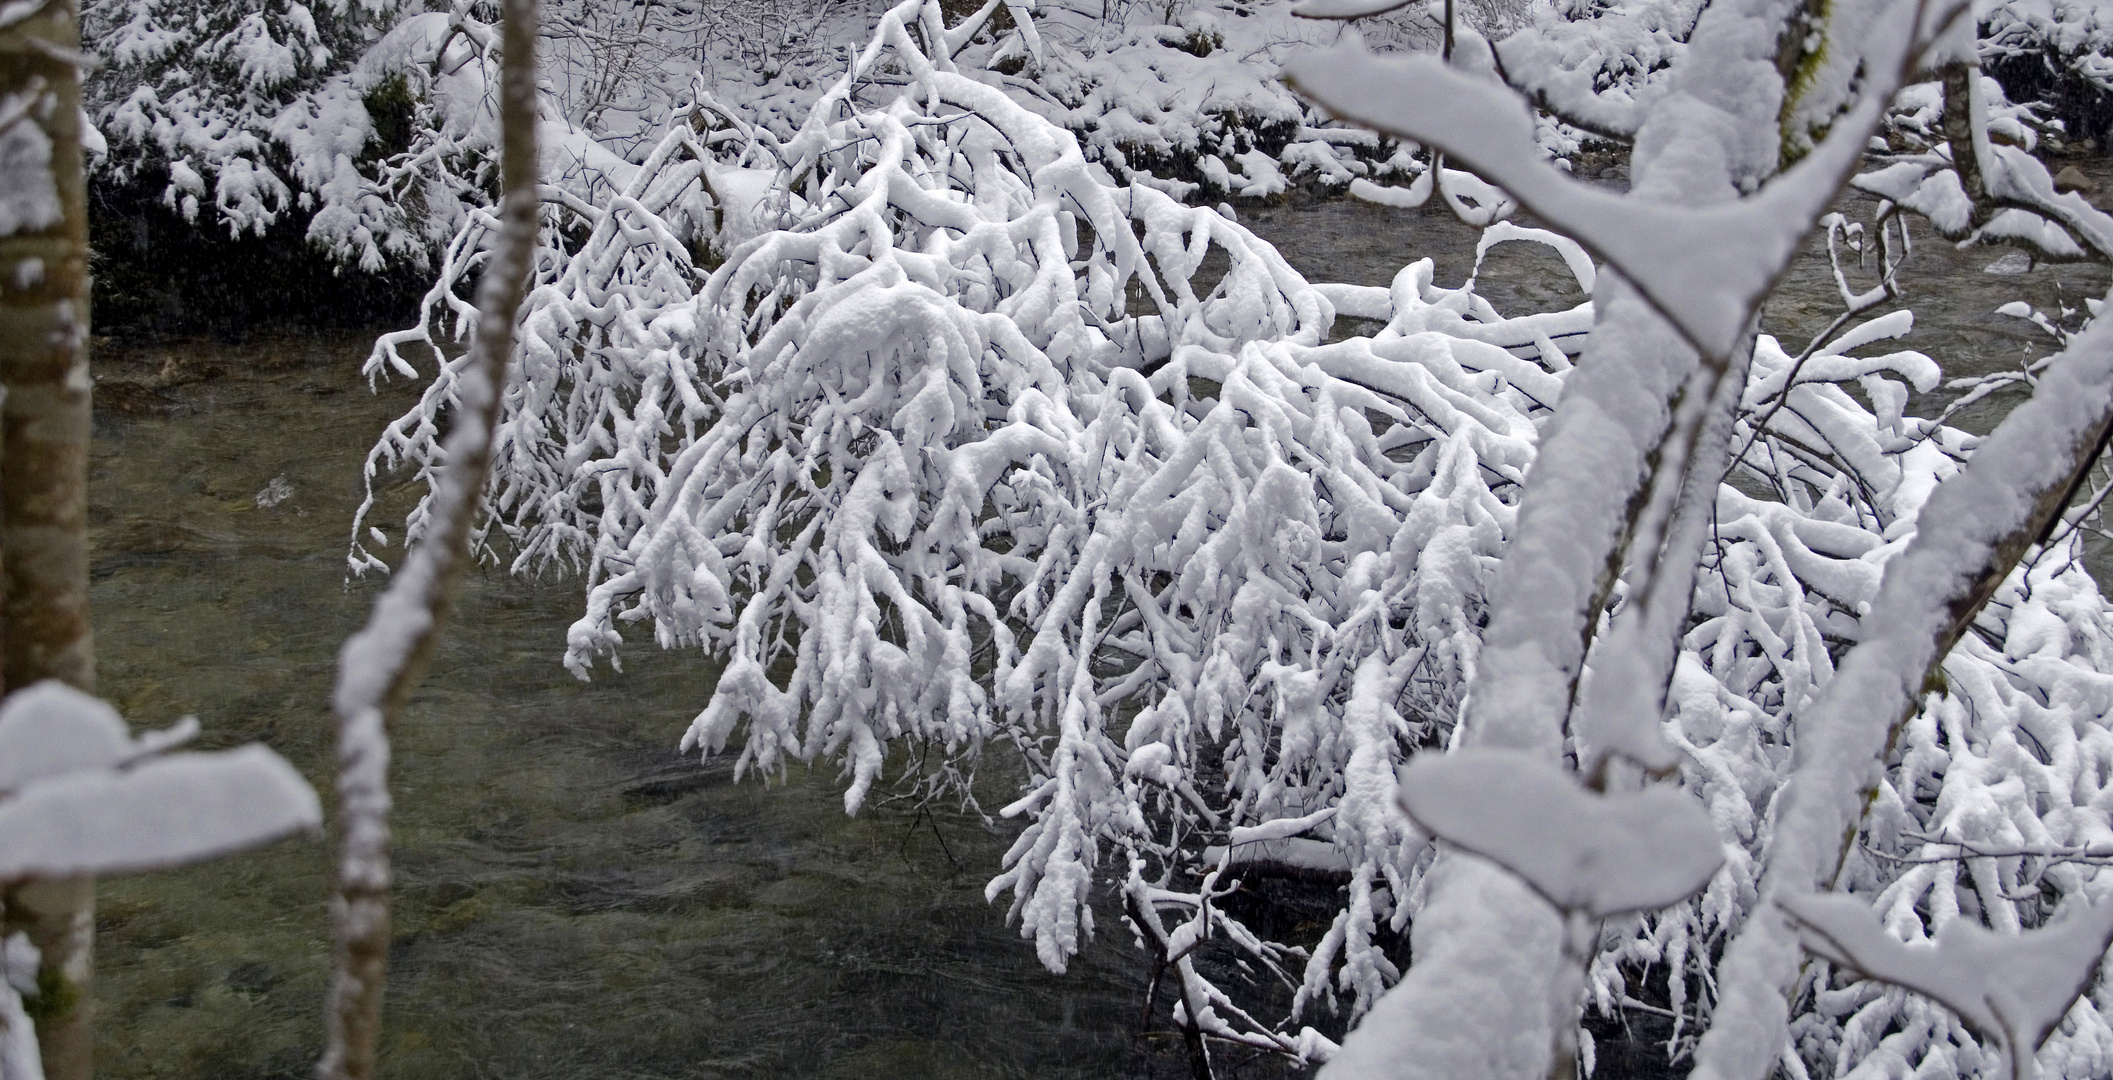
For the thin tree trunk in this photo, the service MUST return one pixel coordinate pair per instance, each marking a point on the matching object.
(381, 664)
(44, 456)
(1961, 121)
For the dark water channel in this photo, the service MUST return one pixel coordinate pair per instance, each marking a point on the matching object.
(573, 900)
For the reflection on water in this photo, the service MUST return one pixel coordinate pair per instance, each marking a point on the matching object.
(573, 901)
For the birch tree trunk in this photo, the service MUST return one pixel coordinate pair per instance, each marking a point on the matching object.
(44, 440)
(380, 665)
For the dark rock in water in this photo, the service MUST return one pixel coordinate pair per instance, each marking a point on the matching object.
(132, 399)
(673, 781)
(2072, 178)
(252, 977)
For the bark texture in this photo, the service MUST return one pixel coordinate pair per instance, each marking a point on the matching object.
(44, 455)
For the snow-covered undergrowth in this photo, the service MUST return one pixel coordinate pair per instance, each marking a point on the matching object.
(245, 111)
(351, 114)
(358, 116)
(938, 435)
(1915, 123)
(2008, 756)
(2057, 49)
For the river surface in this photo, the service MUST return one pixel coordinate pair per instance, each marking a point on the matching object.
(573, 900)
(1952, 291)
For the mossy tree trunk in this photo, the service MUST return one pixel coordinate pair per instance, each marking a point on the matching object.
(44, 454)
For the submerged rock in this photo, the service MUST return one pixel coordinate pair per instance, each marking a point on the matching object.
(133, 399)
(2015, 262)
(2072, 178)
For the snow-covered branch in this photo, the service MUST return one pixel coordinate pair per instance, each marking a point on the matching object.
(80, 796)
(1709, 291)
(937, 434)
(380, 664)
(1978, 525)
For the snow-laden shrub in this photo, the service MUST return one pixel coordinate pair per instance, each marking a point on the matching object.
(954, 447)
(1850, 620)
(243, 107)
(365, 118)
(933, 433)
(1999, 759)
(2057, 51)
(369, 119)
(1185, 97)
(1916, 120)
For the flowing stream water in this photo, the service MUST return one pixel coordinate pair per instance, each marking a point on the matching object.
(573, 900)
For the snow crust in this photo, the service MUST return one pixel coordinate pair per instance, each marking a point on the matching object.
(161, 813)
(50, 729)
(78, 795)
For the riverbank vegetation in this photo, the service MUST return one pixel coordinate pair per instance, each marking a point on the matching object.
(1425, 700)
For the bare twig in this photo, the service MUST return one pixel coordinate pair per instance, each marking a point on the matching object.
(1888, 289)
(379, 665)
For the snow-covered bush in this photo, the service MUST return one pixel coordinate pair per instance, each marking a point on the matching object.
(935, 433)
(1916, 121)
(1836, 685)
(243, 109)
(2056, 51)
(364, 119)
(953, 447)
